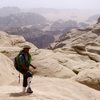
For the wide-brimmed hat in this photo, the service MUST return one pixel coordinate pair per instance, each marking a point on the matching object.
(27, 46)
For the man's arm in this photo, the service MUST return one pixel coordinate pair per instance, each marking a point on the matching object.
(33, 66)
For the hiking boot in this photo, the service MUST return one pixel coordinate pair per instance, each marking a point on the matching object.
(29, 90)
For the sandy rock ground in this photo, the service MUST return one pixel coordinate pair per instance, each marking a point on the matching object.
(50, 89)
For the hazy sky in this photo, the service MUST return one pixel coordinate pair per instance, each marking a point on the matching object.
(61, 4)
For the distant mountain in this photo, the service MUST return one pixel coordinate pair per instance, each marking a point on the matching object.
(52, 14)
(6, 11)
(35, 27)
(93, 18)
(64, 25)
(29, 25)
(65, 14)
(83, 25)
(40, 38)
(21, 19)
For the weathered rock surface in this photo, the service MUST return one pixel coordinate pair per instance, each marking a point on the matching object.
(90, 77)
(50, 89)
(49, 64)
(7, 71)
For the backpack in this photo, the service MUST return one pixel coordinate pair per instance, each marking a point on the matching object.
(17, 64)
(16, 67)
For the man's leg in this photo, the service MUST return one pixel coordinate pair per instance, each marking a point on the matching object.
(29, 79)
(29, 74)
(24, 82)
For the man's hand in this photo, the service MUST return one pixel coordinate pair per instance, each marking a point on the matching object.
(25, 68)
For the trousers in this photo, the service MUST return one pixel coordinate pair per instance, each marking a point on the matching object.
(25, 77)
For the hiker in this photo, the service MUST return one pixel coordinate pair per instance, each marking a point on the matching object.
(22, 64)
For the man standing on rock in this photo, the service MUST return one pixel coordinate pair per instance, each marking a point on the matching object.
(22, 64)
